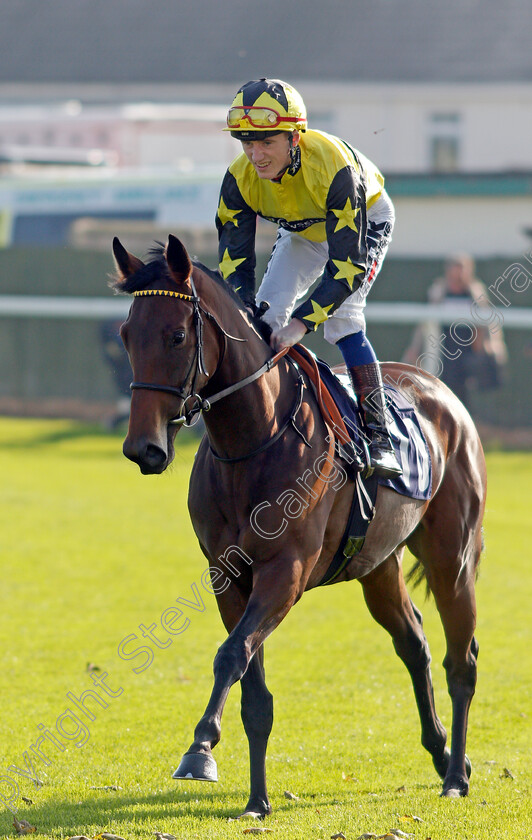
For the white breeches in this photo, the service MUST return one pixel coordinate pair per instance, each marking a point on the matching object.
(296, 263)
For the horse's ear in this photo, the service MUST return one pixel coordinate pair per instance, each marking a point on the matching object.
(126, 263)
(178, 259)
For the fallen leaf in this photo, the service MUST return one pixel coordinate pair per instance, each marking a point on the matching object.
(183, 677)
(105, 787)
(506, 774)
(256, 829)
(161, 836)
(367, 837)
(92, 667)
(79, 837)
(347, 777)
(26, 800)
(105, 836)
(339, 836)
(23, 826)
(410, 818)
(401, 789)
(398, 833)
(288, 795)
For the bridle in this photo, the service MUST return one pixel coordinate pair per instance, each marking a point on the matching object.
(187, 391)
(193, 402)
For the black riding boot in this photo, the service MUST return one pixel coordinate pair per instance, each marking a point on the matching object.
(367, 382)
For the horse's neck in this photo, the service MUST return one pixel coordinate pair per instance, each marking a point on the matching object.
(244, 420)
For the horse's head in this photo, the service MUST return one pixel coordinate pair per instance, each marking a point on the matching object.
(163, 336)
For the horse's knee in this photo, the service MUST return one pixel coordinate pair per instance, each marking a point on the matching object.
(462, 675)
(413, 650)
(231, 661)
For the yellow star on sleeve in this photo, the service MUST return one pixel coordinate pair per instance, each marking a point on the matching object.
(229, 266)
(319, 313)
(347, 271)
(226, 215)
(346, 217)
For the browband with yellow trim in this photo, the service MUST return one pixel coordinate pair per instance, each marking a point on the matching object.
(164, 293)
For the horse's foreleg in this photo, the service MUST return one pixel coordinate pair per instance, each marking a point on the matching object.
(257, 717)
(390, 605)
(198, 763)
(276, 587)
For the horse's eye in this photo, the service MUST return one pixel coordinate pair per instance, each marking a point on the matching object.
(178, 337)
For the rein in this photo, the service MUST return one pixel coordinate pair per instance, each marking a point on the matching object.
(290, 420)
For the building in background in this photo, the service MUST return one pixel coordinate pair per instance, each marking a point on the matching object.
(439, 95)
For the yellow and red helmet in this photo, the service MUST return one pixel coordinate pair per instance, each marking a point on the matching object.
(265, 107)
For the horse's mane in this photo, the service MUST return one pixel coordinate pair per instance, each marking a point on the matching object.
(157, 268)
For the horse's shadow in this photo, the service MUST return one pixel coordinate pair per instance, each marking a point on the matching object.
(71, 818)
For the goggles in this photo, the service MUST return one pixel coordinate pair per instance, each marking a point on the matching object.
(266, 118)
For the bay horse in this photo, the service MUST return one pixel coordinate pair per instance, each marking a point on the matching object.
(193, 345)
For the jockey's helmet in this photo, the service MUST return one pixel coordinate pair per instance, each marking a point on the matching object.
(265, 107)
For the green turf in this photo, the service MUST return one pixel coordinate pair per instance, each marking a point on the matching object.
(91, 550)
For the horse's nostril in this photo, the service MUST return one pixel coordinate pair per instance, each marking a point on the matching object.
(150, 457)
(154, 457)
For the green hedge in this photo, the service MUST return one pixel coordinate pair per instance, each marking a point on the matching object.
(42, 357)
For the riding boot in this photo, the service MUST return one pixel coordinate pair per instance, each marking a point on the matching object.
(367, 382)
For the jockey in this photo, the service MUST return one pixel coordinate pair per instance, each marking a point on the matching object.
(335, 222)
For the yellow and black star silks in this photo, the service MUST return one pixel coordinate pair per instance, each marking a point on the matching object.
(324, 198)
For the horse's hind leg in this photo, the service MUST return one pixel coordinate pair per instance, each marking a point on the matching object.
(390, 605)
(449, 542)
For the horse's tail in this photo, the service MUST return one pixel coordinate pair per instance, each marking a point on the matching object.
(417, 575)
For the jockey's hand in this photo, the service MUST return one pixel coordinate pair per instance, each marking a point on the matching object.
(288, 335)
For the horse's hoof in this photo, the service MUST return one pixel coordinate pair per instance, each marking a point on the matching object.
(455, 788)
(452, 793)
(197, 766)
(252, 815)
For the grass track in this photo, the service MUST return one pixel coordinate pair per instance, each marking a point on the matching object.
(91, 549)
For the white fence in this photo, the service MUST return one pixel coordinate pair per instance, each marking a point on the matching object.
(93, 308)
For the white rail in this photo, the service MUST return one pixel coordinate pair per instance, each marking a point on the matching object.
(95, 308)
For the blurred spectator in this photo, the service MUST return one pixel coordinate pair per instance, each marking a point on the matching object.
(472, 357)
(117, 359)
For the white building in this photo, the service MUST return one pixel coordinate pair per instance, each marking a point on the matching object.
(439, 96)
